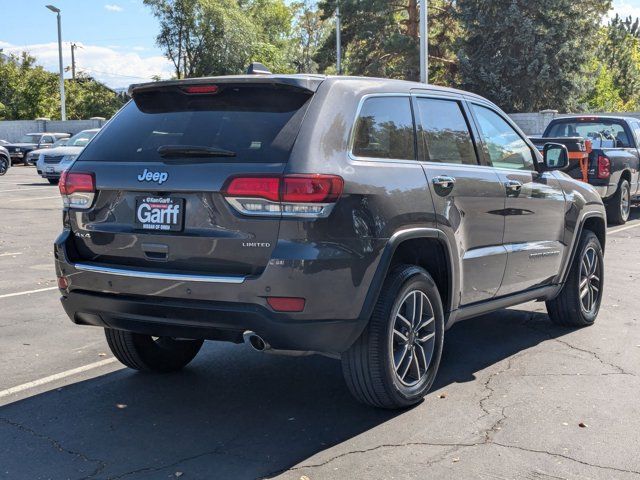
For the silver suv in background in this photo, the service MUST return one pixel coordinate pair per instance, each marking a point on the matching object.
(54, 161)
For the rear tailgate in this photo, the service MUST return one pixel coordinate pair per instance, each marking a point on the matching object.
(157, 211)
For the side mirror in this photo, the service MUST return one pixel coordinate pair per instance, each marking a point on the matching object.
(556, 156)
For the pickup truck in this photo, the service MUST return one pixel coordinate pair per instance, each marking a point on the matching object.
(609, 147)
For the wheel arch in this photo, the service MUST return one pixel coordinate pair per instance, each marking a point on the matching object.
(428, 248)
(593, 221)
(625, 175)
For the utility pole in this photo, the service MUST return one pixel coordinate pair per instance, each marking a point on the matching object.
(338, 41)
(424, 43)
(73, 60)
(63, 112)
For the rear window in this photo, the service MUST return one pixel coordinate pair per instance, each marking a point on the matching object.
(257, 123)
(603, 133)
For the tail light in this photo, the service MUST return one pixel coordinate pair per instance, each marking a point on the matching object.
(77, 189)
(289, 195)
(604, 167)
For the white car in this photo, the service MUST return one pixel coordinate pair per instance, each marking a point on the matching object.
(52, 162)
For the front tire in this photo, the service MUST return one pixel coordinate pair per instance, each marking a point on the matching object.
(4, 165)
(578, 303)
(151, 354)
(619, 206)
(395, 361)
(53, 181)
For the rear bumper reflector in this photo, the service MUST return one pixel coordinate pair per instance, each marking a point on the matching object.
(85, 267)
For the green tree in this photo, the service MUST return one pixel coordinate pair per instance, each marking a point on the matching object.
(619, 50)
(528, 56)
(221, 37)
(381, 38)
(27, 91)
(604, 96)
(309, 32)
(88, 98)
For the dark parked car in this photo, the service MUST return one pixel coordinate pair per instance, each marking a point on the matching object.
(613, 163)
(32, 141)
(5, 160)
(353, 217)
(32, 156)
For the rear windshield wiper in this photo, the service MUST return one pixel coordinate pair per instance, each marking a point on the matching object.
(175, 151)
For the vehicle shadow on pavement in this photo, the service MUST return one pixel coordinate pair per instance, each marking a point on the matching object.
(233, 414)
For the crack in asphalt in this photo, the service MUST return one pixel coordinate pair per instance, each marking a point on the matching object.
(458, 446)
(101, 464)
(528, 324)
(496, 426)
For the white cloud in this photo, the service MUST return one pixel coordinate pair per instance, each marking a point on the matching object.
(112, 7)
(112, 67)
(624, 8)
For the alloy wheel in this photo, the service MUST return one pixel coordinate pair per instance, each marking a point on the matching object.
(590, 281)
(625, 202)
(413, 338)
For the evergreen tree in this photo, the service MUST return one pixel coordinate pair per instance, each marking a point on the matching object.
(528, 56)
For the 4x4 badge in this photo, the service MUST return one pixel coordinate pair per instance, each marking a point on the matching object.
(148, 176)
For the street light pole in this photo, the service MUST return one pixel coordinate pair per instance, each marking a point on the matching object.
(338, 41)
(63, 112)
(424, 43)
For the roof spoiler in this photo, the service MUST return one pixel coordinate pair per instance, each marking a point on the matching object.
(309, 83)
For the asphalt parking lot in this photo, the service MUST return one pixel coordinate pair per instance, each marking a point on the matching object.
(509, 402)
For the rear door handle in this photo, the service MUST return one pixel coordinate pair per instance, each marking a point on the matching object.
(444, 181)
(513, 186)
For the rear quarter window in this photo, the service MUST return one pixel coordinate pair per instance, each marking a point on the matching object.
(384, 129)
(257, 123)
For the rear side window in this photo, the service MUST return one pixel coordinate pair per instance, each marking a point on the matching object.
(256, 123)
(445, 132)
(384, 129)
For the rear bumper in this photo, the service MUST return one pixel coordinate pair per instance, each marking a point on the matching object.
(334, 283)
(211, 320)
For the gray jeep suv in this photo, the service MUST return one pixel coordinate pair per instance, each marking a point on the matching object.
(357, 218)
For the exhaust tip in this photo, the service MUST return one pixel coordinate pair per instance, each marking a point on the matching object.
(255, 341)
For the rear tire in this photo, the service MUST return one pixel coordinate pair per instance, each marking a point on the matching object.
(53, 181)
(4, 165)
(578, 303)
(619, 206)
(151, 354)
(398, 331)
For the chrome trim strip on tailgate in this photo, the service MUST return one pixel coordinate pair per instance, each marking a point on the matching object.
(158, 276)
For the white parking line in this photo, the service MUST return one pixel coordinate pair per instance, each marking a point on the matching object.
(17, 294)
(30, 198)
(9, 254)
(53, 378)
(24, 189)
(622, 229)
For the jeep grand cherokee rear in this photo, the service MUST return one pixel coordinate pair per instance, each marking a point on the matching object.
(173, 218)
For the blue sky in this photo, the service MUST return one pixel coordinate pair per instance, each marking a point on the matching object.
(117, 36)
